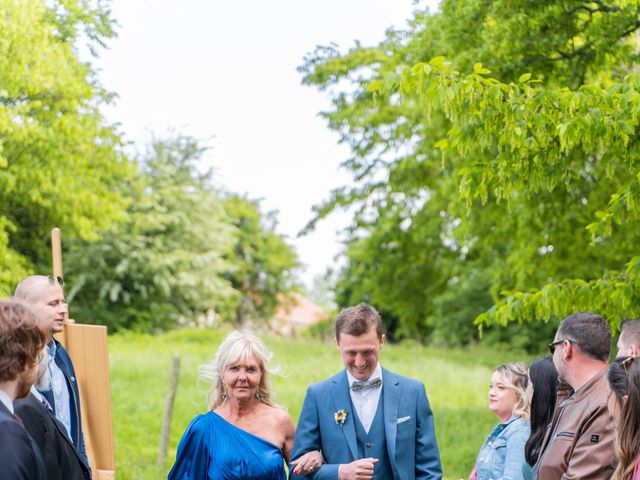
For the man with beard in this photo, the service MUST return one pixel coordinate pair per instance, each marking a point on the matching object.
(45, 297)
(61, 459)
(21, 340)
(580, 441)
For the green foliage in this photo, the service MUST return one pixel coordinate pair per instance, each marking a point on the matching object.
(185, 249)
(263, 263)
(551, 141)
(168, 260)
(471, 187)
(60, 163)
(456, 382)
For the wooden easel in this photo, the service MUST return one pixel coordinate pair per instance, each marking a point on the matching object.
(88, 348)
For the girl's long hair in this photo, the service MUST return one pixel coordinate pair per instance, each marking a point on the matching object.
(544, 380)
(628, 433)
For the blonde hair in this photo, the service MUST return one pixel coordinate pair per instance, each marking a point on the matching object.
(514, 376)
(237, 348)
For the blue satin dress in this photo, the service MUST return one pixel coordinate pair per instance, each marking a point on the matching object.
(214, 449)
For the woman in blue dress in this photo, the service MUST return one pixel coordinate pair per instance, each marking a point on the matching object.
(502, 454)
(244, 436)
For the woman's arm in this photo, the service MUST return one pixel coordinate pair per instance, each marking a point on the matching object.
(289, 432)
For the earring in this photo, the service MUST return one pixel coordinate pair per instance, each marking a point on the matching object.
(224, 393)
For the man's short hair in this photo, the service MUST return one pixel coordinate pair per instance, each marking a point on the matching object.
(358, 320)
(589, 332)
(630, 332)
(21, 340)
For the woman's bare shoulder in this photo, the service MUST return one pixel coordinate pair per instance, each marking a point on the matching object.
(278, 412)
(280, 415)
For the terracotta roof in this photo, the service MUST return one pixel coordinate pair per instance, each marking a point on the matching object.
(299, 310)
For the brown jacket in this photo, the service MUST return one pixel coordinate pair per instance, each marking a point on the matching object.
(579, 443)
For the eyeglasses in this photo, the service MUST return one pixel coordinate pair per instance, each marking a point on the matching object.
(626, 364)
(57, 279)
(552, 345)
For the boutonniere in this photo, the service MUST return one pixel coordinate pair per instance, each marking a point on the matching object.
(340, 416)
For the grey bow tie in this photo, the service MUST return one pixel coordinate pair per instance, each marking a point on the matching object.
(360, 385)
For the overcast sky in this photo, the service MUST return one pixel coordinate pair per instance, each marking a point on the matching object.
(225, 72)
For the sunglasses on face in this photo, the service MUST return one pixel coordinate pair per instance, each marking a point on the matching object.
(552, 345)
(57, 279)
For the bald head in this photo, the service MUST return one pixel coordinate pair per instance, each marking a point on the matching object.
(31, 285)
(45, 297)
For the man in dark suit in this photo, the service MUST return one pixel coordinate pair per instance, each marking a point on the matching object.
(367, 421)
(21, 340)
(45, 297)
(62, 460)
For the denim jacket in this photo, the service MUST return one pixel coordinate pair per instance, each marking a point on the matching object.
(502, 454)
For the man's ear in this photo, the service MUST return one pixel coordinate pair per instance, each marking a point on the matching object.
(567, 350)
(382, 339)
(634, 350)
(337, 343)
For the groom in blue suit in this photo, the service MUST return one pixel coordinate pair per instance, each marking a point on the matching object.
(367, 421)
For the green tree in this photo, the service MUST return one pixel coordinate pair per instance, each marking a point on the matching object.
(264, 264)
(451, 182)
(61, 164)
(554, 142)
(170, 259)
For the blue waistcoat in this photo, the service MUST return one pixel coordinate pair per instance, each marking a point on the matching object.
(374, 443)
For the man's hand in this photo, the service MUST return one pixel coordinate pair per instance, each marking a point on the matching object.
(308, 463)
(359, 470)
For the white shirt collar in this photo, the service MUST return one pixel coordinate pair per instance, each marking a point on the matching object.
(52, 348)
(6, 400)
(36, 393)
(376, 373)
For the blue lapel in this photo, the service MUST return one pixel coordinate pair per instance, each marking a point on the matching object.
(391, 393)
(342, 400)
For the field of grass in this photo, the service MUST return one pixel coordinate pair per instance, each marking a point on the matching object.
(456, 382)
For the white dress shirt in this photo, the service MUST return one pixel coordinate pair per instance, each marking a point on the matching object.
(365, 402)
(6, 401)
(60, 390)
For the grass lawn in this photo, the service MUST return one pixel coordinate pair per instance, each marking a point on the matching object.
(456, 382)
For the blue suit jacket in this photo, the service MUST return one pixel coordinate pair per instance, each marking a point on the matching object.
(408, 425)
(64, 362)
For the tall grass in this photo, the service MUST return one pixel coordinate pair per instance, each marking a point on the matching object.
(456, 382)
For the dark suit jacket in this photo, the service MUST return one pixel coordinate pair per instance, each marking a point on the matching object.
(19, 455)
(61, 459)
